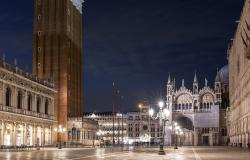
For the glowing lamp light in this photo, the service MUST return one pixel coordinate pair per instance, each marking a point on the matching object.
(161, 104)
(140, 106)
(151, 112)
(166, 112)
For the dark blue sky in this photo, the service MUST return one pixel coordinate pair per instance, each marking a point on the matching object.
(135, 43)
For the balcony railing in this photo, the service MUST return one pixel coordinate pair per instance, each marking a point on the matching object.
(26, 112)
(25, 74)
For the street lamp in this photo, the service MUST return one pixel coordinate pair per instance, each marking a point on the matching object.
(100, 134)
(151, 113)
(119, 115)
(176, 130)
(162, 115)
(60, 130)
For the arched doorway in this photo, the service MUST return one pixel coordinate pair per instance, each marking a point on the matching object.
(186, 123)
(30, 136)
(19, 135)
(47, 136)
(187, 136)
(8, 135)
(39, 136)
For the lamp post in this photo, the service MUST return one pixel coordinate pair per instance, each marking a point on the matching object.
(140, 106)
(60, 130)
(177, 131)
(118, 115)
(151, 113)
(162, 115)
(100, 133)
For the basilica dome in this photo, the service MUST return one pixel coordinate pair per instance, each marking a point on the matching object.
(223, 75)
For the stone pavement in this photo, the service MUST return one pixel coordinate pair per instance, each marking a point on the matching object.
(183, 153)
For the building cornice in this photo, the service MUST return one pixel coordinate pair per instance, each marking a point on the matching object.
(78, 4)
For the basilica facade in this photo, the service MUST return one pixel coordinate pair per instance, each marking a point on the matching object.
(26, 108)
(196, 111)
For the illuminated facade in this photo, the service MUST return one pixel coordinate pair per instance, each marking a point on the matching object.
(57, 53)
(197, 112)
(239, 82)
(105, 121)
(26, 108)
(82, 131)
(141, 129)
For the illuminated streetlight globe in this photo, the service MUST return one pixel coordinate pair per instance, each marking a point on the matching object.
(166, 112)
(161, 104)
(151, 112)
(140, 106)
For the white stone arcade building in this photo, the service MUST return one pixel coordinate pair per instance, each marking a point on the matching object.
(26, 108)
(196, 111)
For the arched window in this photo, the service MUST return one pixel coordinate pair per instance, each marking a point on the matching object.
(190, 105)
(29, 102)
(47, 106)
(38, 104)
(8, 97)
(19, 99)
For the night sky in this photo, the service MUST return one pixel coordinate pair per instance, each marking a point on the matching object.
(135, 43)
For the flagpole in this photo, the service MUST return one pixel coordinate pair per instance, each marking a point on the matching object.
(122, 110)
(113, 112)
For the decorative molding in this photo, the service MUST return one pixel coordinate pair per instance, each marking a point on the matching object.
(78, 4)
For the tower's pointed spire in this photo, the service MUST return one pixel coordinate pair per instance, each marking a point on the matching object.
(169, 78)
(3, 57)
(183, 83)
(206, 82)
(195, 77)
(174, 84)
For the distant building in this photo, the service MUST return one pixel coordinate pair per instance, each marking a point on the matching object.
(141, 128)
(239, 82)
(223, 77)
(82, 131)
(118, 133)
(26, 108)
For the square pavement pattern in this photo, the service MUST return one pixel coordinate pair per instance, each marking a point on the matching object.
(183, 153)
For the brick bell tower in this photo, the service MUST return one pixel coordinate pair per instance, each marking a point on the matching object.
(57, 53)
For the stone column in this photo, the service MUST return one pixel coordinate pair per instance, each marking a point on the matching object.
(25, 134)
(42, 107)
(34, 103)
(211, 137)
(2, 133)
(51, 135)
(3, 95)
(14, 135)
(14, 97)
(196, 138)
(25, 100)
(43, 136)
(34, 135)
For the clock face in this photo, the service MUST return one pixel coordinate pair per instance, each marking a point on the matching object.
(145, 127)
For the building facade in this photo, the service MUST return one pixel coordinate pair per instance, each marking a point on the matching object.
(82, 131)
(197, 112)
(111, 130)
(26, 108)
(142, 128)
(57, 53)
(239, 82)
